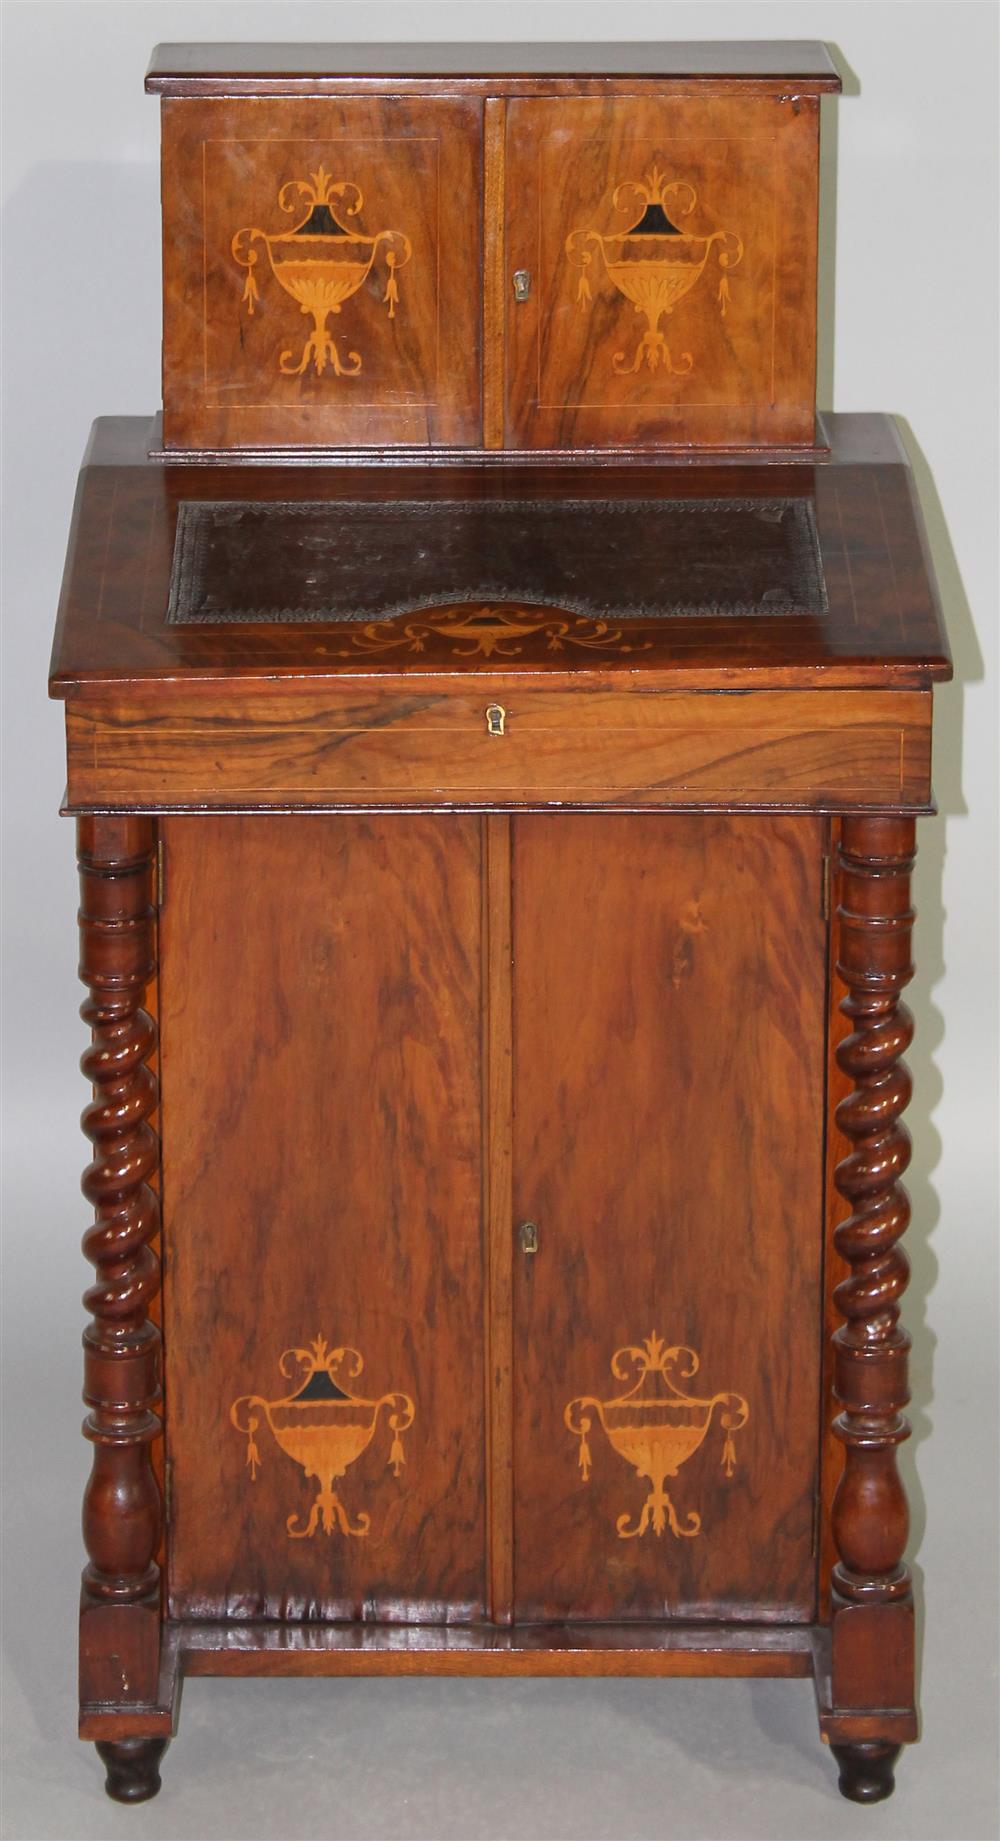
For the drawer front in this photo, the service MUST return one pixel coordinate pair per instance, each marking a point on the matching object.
(669, 246)
(520, 746)
(321, 264)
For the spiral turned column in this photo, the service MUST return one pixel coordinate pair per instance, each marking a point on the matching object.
(122, 1511)
(872, 1637)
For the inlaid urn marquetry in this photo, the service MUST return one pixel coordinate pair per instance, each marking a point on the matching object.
(324, 1426)
(654, 262)
(656, 1425)
(321, 262)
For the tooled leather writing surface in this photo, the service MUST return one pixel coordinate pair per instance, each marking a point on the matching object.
(623, 558)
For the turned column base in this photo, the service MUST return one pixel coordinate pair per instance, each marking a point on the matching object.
(133, 1767)
(866, 1770)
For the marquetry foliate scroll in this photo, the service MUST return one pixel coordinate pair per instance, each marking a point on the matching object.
(122, 1516)
(654, 262)
(320, 263)
(324, 1424)
(491, 632)
(869, 1512)
(656, 1425)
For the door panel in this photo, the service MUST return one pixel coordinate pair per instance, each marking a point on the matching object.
(321, 1089)
(321, 264)
(669, 978)
(671, 249)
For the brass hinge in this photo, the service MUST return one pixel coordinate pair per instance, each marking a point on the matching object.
(825, 888)
(160, 875)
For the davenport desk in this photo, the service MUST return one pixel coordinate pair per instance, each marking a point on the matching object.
(497, 712)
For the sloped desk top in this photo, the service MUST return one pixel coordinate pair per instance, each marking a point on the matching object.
(796, 575)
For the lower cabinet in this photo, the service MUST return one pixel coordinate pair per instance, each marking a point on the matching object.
(492, 1175)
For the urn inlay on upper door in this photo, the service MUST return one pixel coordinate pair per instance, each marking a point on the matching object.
(673, 285)
(321, 263)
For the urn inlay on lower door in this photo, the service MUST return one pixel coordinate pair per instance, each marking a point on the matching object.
(323, 1175)
(656, 1421)
(325, 1424)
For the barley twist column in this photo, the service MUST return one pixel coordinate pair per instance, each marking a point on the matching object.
(872, 1637)
(122, 1512)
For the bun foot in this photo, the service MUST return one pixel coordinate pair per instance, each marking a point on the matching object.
(133, 1767)
(866, 1773)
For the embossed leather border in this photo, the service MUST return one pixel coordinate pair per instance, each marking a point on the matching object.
(388, 559)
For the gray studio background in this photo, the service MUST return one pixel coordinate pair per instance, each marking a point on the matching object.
(909, 309)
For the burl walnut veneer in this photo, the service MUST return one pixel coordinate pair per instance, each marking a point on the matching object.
(495, 905)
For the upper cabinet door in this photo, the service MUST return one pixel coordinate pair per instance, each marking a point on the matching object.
(666, 254)
(321, 265)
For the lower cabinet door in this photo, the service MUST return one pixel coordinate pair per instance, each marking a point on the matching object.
(669, 1022)
(323, 1290)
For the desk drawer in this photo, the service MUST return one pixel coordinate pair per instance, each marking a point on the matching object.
(519, 746)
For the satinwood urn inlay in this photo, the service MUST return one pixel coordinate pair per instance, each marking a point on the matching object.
(324, 1425)
(656, 1425)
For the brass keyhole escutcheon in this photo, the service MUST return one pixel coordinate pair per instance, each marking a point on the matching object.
(527, 1234)
(496, 716)
(522, 283)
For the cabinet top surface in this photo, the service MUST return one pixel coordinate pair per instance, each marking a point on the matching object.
(189, 68)
(689, 575)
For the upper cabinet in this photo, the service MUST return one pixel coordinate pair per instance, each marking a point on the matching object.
(429, 260)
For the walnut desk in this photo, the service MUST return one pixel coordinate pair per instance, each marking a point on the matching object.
(495, 918)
